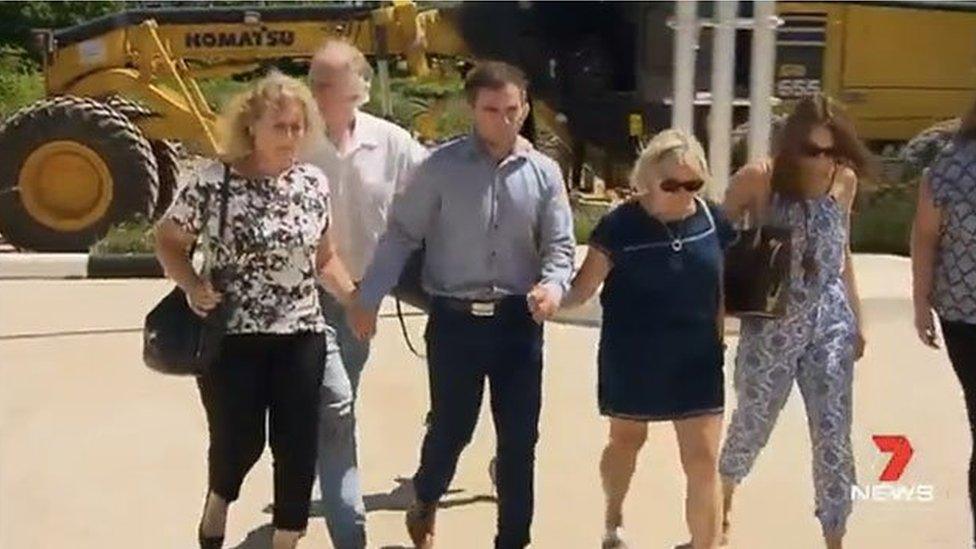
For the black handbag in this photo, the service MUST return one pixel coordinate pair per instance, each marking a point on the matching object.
(409, 288)
(177, 341)
(757, 272)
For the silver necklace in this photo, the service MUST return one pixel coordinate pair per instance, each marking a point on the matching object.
(676, 243)
(675, 261)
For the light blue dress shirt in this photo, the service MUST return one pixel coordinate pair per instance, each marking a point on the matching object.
(490, 228)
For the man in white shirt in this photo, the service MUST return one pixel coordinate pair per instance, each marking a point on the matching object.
(367, 161)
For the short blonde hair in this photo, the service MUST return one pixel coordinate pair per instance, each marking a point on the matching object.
(234, 127)
(671, 145)
(350, 59)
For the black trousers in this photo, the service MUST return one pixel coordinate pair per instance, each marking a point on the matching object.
(960, 340)
(266, 379)
(462, 351)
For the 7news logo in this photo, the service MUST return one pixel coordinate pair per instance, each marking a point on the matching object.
(889, 489)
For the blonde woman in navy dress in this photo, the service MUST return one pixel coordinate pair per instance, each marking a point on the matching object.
(659, 258)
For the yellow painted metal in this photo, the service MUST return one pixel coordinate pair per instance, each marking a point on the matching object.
(877, 59)
(160, 82)
(635, 124)
(896, 69)
(159, 65)
(107, 51)
(888, 47)
(65, 185)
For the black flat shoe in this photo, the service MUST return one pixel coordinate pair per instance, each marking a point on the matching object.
(210, 543)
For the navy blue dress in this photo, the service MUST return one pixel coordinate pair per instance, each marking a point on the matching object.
(660, 356)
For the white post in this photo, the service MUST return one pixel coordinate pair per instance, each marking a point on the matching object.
(720, 114)
(761, 78)
(685, 39)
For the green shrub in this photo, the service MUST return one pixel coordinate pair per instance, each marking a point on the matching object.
(882, 221)
(586, 214)
(20, 82)
(412, 96)
(135, 236)
(219, 90)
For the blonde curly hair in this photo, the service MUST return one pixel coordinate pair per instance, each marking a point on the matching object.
(671, 145)
(234, 133)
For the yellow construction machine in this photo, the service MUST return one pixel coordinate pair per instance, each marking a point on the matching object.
(121, 89)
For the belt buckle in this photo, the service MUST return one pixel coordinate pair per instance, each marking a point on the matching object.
(483, 308)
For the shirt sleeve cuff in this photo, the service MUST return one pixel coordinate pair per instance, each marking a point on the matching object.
(369, 296)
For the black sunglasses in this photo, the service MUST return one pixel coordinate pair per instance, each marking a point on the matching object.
(674, 185)
(813, 151)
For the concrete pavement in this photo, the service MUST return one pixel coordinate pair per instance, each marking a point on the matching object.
(96, 451)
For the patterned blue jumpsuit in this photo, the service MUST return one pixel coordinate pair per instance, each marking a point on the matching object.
(813, 343)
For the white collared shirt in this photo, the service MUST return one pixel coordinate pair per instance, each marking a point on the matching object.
(363, 182)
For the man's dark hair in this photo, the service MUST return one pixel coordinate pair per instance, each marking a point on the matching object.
(493, 75)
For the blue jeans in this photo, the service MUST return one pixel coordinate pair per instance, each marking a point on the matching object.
(462, 352)
(338, 469)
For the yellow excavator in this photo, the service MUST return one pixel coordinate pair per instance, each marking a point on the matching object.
(123, 88)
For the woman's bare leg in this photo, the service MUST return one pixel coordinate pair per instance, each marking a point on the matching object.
(698, 442)
(617, 466)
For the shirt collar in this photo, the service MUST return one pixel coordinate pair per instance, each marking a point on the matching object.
(478, 148)
(363, 135)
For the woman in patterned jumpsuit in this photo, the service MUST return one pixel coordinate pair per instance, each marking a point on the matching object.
(808, 186)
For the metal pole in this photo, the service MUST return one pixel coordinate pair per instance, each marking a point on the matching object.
(761, 79)
(720, 115)
(685, 38)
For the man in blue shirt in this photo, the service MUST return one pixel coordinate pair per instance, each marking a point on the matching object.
(494, 217)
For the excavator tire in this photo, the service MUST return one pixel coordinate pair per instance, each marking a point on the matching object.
(167, 161)
(70, 167)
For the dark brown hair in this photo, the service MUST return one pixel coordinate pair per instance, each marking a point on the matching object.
(967, 130)
(493, 75)
(811, 112)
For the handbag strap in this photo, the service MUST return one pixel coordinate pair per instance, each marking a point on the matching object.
(224, 199)
(222, 215)
(403, 330)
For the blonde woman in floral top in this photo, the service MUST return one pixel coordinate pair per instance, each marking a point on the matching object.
(273, 250)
